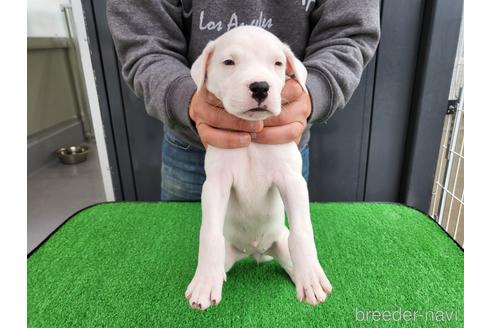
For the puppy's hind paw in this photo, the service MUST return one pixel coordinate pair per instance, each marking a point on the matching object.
(262, 258)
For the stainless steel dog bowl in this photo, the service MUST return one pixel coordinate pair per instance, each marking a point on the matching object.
(73, 154)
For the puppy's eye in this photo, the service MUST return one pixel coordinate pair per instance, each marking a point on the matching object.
(278, 63)
(229, 62)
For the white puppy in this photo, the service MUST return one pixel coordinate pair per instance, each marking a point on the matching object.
(245, 191)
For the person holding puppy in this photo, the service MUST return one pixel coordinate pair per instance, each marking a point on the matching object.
(157, 41)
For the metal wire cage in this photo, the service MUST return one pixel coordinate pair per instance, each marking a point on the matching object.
(448, 194)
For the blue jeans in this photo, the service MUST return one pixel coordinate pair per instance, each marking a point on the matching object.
(182, 171)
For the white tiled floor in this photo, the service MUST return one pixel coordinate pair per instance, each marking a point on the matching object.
(57, 191)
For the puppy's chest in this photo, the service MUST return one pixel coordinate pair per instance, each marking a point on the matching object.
(253, 175)
(255, 168)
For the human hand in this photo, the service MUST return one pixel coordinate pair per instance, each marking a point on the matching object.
(217, 127)
(290, 123)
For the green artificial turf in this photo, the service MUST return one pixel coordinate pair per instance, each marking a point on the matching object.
(128, 265)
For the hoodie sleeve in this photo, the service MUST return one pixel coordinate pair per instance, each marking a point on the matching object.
(343, 40)
(150, 44)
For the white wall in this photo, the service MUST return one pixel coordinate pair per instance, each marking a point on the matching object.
(45, 18)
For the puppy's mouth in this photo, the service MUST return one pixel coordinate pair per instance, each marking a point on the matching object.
(256, 114)
(257, 110)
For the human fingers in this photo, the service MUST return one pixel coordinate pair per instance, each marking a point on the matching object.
(291, 91)
(298, 110)
(280, 134)
(213, 100)
(222, 138)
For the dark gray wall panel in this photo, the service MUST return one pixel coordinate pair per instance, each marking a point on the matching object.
(396, 65)
(138, 136)
(145, 139)
(338, 148)
(439, 45)
(114, 99)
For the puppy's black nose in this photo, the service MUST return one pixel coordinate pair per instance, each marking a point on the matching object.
(259, 90)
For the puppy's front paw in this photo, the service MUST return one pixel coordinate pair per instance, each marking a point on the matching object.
(205, 289)
(312, 285)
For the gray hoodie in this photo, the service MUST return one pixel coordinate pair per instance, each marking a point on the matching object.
(157, 41)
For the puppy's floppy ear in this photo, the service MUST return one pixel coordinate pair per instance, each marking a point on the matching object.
(199, 67)
(295, 68)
